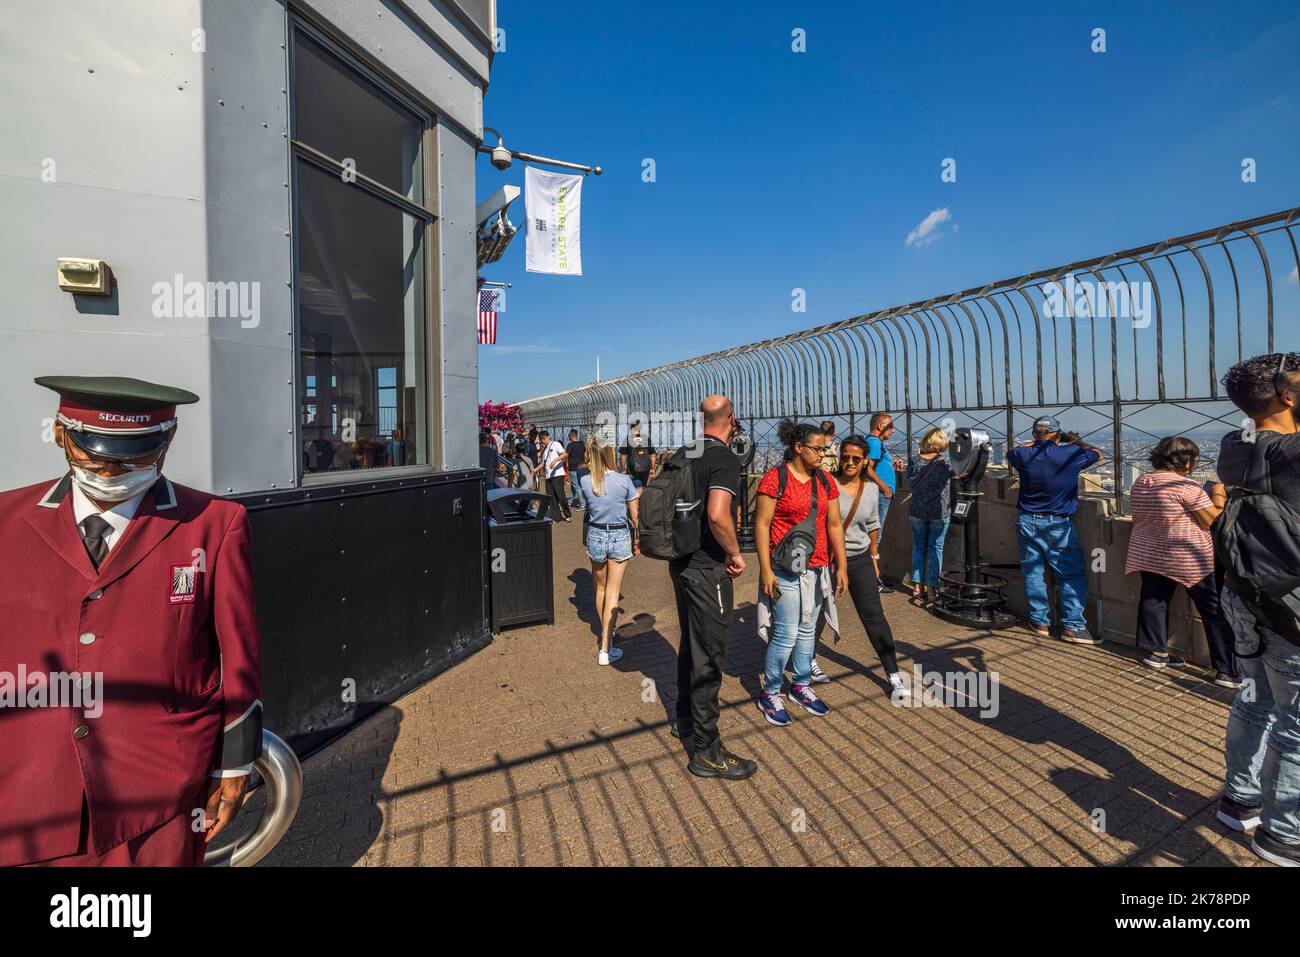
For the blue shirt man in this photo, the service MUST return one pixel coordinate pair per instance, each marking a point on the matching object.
(1049, 497)
(880, 470)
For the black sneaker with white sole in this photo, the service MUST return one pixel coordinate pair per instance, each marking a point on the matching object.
(1274, 851)
(1163, 661)
(1225, 680)
(1238, 816)
(718, 762)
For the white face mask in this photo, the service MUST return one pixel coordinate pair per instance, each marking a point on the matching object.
(115, 488)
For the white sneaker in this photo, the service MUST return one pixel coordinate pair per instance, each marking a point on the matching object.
(605, 657)
(819, 677)
(896, 686)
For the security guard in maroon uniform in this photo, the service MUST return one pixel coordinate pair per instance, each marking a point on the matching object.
(130, 661)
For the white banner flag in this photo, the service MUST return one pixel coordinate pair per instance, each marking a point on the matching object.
(553, 204)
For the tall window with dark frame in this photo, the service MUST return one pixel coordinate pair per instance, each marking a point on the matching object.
(361, 225)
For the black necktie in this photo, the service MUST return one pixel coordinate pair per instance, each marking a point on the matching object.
(93, 528)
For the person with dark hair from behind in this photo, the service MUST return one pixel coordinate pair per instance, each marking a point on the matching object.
(487, 456)
(1170, 546)
(795, 597)
(1262, 746)
(577, 452)
(703, 588)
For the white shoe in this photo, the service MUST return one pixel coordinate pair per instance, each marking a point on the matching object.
(896, 686)
(819, 677)
(605, 657)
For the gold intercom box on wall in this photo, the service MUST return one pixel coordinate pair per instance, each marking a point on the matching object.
(87, 277)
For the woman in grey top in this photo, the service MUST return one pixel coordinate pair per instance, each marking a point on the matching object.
(858, 505)
(609, 526)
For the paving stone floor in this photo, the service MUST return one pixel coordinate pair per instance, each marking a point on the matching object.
(530, 753)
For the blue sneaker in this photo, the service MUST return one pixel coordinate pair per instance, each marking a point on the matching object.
(773, 709)
(803, 696)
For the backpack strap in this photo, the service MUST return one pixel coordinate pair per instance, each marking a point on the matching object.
(817, 476)
(862, 486)
(783, 475)
(1261, 460)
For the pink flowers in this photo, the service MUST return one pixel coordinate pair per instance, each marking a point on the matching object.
(499, 417)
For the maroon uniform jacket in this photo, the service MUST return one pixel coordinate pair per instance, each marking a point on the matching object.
(169, 621)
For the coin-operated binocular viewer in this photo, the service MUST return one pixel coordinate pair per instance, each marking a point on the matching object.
(976, 598)
(744, 449)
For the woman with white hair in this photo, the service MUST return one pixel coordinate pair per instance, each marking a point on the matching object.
(929, 511)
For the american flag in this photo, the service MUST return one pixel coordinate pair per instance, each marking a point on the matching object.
(487, 317)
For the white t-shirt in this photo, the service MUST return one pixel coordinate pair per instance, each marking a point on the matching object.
(551, 456)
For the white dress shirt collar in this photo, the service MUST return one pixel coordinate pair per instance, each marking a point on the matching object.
(118, 517)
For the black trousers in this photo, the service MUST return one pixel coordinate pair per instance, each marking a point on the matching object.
(1153, 618)
(556, 485)
(865, 590)
(704, 604)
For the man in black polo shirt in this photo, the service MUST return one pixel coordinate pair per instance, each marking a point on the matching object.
(577, 451)
(702, 585)
(638, 456)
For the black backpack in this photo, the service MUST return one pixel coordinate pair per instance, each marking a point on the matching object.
(638, 459)
(796, 547)
(1257, 543)
(669, 511)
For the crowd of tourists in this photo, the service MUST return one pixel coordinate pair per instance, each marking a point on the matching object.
(819, 517)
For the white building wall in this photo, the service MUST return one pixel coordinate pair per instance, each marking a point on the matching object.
(153, 135)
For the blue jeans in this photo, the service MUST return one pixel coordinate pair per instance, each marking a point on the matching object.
(884, 510)
(928, 535)
(609, 544)
(790, 633)
(1053, 543)
(1262, 748)
(579, 499)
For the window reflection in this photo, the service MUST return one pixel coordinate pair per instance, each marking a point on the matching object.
(361, 330)
(360, 279)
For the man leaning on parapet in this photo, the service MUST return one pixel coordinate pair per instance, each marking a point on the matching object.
(1049, 467)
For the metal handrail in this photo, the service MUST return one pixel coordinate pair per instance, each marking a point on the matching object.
(1212, 305)
(281, 774)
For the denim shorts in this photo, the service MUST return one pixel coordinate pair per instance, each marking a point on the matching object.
(609, 544)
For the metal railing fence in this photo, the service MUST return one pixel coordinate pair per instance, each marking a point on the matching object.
(1128, 346)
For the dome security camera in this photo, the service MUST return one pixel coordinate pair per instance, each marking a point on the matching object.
(501, 157)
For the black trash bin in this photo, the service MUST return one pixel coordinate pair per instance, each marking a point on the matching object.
(519, 558)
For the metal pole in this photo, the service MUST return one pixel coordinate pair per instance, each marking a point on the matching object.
(1118, 427)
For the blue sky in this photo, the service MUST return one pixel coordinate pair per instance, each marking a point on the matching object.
(777, 170)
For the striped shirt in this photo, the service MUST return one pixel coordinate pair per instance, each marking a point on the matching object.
(1166, 539)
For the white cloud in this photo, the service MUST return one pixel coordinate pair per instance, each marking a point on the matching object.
(1295, 275)
(928, 230)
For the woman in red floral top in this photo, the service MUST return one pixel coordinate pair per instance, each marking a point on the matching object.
(1171, 546)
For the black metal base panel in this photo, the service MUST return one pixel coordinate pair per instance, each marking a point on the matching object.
(364, 592)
